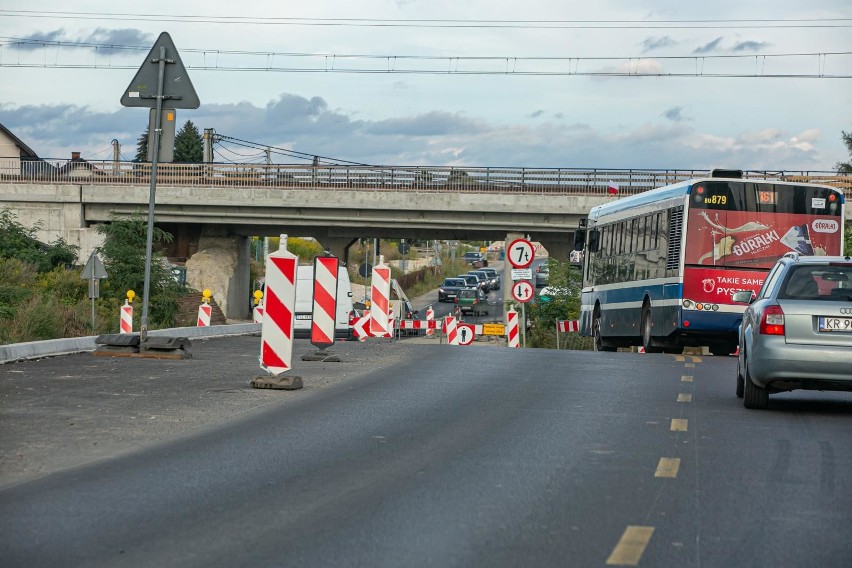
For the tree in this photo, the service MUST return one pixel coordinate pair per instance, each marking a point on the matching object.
(563, 303)
(16, 241)
(189, 145)
(845, 167)
(124, 260)
(142, 147)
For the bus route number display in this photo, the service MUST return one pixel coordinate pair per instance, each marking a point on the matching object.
(766, 196)
(521, 253)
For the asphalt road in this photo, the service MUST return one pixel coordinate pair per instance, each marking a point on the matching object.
(462, 457)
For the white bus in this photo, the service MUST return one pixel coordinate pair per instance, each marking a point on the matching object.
(660, 267)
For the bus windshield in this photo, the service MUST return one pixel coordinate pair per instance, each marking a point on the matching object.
(747, 224)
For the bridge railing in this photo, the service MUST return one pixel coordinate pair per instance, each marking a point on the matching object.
(567, 181)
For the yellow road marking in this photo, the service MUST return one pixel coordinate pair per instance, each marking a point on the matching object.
(667, 467)
(679, 358)
(630, 548)
(684, 397)
(696, 359)
(679, 424)
(686, 378)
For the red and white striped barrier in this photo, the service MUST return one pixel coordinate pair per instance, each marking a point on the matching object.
(361, 327)
(430, 316)
(380, 325)
(450, 328)
(325, 301)
(566, 326)
(428, 325)
(126, 323)
(205, 311)
(276, 336)
(257, 314)
(512, 331)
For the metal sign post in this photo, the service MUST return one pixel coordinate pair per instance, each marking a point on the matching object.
(94, 272)
(138, 94)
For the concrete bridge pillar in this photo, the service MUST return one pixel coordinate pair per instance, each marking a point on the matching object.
(338, 246)
(558, 245)
(222, 265)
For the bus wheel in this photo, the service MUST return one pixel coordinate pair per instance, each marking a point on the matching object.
(596, 334)
(646, 330)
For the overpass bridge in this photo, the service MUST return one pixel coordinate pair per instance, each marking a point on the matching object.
(220, 205)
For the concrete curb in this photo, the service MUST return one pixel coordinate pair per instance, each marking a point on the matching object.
(54, 347)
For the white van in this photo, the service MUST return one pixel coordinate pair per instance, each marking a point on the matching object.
(305, 303)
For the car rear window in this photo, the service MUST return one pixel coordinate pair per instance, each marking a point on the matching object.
(831, 282)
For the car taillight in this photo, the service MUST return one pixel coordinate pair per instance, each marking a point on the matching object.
(772, 321)
(456, 301)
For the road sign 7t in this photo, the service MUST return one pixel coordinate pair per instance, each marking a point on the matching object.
(521, 253)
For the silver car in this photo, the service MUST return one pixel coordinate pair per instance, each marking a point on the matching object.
(797, 332)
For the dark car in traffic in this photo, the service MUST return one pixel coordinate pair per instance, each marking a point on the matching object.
(471, 279)
(472, 301)
(475, 259)
(797, 332)
(449, 289)
(494, 283)
(483, 279)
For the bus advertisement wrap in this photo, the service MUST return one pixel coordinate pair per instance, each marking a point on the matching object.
(715, 286)
(748, 238)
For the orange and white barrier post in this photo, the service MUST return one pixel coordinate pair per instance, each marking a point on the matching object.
(205, 310)
(276, 336)
(451, 330)
(324, 312)
(430, 316)
(257, 313)
(380, 300)
(126, 319)
(512, 328)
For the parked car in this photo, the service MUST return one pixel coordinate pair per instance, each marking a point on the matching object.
(542, 275)
(483, 278)
(476, 259)
(449, 289)
(797, 331)
(494, 283)
(472, 301)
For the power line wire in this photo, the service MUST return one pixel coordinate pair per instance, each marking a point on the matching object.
(447, 23)
(451, 65)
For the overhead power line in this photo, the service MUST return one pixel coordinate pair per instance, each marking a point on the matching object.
(325, 160)
(694, 65)
(443, 23)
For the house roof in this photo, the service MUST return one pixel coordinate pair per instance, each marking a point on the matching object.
(26, 151)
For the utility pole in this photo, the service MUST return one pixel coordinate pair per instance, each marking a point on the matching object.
(207, 139)
(116, 154)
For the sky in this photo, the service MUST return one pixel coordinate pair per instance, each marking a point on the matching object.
(536, 84)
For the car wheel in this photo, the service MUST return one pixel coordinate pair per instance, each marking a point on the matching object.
(754, 396)
(646, 330)
(599, 344)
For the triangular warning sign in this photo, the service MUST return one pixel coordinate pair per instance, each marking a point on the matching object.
(178, 91)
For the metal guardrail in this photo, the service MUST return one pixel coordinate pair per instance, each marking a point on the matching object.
(557, 181)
